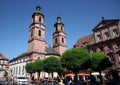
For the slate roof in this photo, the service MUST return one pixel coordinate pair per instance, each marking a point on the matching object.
(19, 56)
(51, 51)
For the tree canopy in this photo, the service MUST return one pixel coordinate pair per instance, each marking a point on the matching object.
(38, 65)
(51, 64)
(29, 68)
(75, 60)
(99, 61)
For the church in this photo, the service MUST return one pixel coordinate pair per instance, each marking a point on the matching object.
(38, 48)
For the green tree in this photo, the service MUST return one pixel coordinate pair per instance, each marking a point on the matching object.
(99, 62)
(61, 71)
(51, 64)
(38, 66)
(29, 68)
(75, 60)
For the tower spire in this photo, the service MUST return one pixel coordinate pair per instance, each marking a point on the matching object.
(58, 19)
(38, 8)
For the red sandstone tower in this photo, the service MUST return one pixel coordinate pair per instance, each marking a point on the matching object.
(36, 42)
(59, 37)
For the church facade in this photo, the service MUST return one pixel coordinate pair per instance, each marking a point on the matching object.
(37, 46)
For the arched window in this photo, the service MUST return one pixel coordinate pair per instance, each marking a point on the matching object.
(38, 57)
(39, 19)
(56, 29)
(62, 40)
(39, 33)
(31, 33)
(55, 40)
(61, 27)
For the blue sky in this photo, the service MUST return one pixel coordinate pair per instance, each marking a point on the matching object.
(79, 17)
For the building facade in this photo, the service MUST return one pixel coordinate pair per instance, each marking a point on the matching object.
(37, 46)
(3, 65)
(105, 38)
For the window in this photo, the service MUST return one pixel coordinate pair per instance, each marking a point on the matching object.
(23, 69)
(19, 69)
(94, 50)
(101, 49)
(107, 35)
(3, 67)
(118, 45)
(1, 61)
(55, 40)
(62, 40)
(31, 33)
(16, 70)
(84, 44)
(38, 57)
(40, 19)
(39, 33)
(109, 47)
(115, 32)
(56, 29)
(98, 37)
(61, 27)
(111, 58)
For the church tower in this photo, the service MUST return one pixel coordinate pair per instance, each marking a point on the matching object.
(36, 42)
(59, 37)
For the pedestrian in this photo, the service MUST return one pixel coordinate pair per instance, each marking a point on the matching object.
(92, 80)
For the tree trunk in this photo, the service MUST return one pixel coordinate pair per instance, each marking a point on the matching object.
(38, 75)
(101, 81)
(75, 78)
(60, 75)
(90, 72)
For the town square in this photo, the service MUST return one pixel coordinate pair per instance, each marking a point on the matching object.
(60, 42)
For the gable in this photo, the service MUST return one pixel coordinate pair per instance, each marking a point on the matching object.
(104, 23)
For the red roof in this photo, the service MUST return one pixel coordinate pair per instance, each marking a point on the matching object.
(3, 57)
(86, 39)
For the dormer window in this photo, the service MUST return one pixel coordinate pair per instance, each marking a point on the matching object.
(38, 57)
(84, 44)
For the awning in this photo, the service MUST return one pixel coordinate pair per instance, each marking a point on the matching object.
(83, 74)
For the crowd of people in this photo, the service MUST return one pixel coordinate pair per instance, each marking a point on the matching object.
(112, 78)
